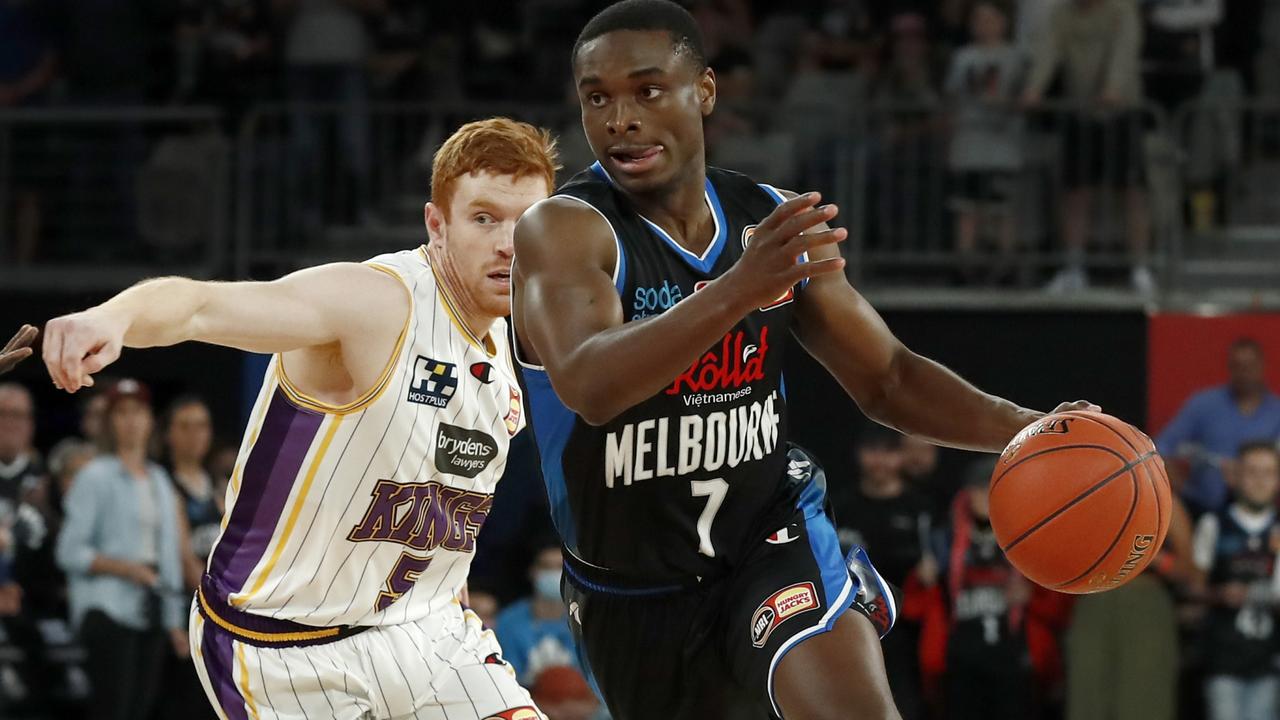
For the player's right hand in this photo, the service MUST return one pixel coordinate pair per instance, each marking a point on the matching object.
(77, 346)
(770, 266)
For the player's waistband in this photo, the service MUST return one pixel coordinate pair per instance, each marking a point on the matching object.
(265, 631)
(604, 580)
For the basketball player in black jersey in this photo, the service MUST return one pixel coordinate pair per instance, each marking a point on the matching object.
(654, 299)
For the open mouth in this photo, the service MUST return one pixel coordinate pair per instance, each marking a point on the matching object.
(635, 159)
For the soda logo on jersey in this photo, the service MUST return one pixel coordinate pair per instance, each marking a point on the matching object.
(464, 452)
(434, 382)
(731, 365)
(701, 443)
(655, 300)
(423, 516)
(786, 603)
(1141, 544)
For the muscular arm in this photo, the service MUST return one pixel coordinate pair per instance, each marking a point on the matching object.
(569, 317)
(344, 308)
(567, 309)
(891, 384)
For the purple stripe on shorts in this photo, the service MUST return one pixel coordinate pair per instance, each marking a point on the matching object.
(219, 663)
(269, 473)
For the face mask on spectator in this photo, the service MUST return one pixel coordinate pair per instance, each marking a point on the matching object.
(546, 584)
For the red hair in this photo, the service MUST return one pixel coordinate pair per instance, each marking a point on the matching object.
(500, 146)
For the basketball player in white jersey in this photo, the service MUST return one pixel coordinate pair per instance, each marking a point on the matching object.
(370, 459)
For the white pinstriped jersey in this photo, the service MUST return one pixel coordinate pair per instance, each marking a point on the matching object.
(367, 514)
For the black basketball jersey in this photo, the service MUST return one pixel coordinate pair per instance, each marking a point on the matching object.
(1243, 641)
(679, 485)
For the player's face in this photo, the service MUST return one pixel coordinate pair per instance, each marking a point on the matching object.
(642, 107)
(1259, 478)
(17, 426)
(190, 432)
(475, 240)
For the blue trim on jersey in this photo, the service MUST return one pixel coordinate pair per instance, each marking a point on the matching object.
(782, 385)
(621, 282)
(824, 543)
(707, 260)
(552, 422)
(777, 196)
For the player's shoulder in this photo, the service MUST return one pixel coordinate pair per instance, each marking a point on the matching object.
(735, 182)
(564, 223)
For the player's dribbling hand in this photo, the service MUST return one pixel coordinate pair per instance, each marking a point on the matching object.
(769, 266)
(1077, 405)
(77, 346)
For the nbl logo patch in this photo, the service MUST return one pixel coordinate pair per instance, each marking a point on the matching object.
(786, 603)
(434, 382)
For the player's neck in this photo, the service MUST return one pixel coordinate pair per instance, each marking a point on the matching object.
(680, 208)
(463, 301)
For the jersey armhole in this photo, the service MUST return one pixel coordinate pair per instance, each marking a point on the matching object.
(306, 402)
(778, 199)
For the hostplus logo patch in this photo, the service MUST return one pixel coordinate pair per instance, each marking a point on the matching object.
(434, 382)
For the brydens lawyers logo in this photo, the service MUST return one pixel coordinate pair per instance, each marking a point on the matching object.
(434, 382)
(786, 603)
(733, 364)
(464, 452)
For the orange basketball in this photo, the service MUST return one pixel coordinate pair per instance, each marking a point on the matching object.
(1080, 502)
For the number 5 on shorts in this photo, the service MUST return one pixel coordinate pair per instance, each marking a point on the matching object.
(714, 491)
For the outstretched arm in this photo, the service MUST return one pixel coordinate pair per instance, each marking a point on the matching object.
(568, 315)
(348, 308)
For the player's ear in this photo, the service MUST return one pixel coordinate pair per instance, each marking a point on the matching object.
(707, 91)
(434, 218)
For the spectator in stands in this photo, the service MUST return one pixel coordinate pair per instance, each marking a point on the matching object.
(327, 45)
(119, 546)
(1236, 549)
(1179, 50)
(1122, 645)
(93, 412)
(28, 65)
(986, 148)
(920, 468)
(976, 651)
(484, 604)
(237, 57)
(188, 435)
(20, 468)
(562, 693)
(1203, 438)
(534, 631)
(890, 519)
(1097, 45)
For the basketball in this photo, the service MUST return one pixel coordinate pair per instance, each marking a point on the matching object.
(1080, 502)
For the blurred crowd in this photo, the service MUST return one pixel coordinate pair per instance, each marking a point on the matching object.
(996, 121)
(104, 537)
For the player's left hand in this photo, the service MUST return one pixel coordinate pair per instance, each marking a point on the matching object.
(181, 645)
(17, 349)
(1077, 405)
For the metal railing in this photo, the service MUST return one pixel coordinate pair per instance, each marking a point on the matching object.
(931, 193)
(96, 196)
